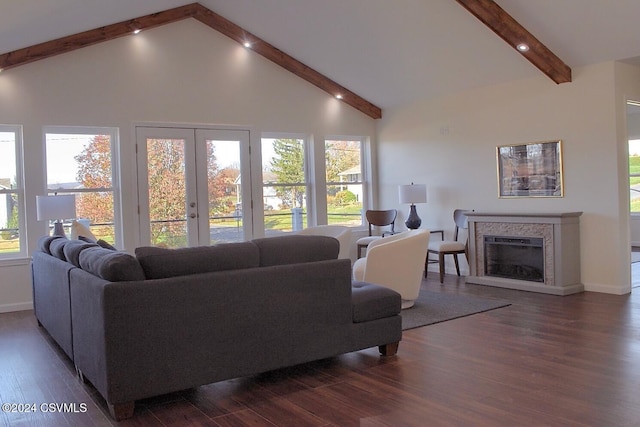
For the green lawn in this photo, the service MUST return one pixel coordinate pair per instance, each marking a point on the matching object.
(634, 168)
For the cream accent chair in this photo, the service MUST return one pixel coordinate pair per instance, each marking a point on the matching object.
(340, 232)
(396, 262)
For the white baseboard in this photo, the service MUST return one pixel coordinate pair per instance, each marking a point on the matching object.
(20, 306)
(607, 289)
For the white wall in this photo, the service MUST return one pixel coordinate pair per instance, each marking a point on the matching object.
(450, 144)
(180, 73)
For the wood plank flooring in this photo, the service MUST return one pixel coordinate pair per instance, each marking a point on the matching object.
(544, 360)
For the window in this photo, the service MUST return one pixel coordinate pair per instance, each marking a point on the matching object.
(80, 161)
(345, 182)
(12, 242)
(284, 184)
(634, 175)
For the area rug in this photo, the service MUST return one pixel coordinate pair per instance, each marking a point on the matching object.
(436, 307)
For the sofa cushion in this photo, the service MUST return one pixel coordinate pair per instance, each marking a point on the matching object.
(371, 302)
(110, 265)
(159, 263)
(295, 249)
(44, 243)
(56, 247)
(73, 248)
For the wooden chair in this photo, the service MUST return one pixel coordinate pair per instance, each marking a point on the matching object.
(377, 219)
(449, 247)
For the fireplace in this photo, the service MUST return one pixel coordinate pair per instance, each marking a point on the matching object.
(519, 258)
(537, 252)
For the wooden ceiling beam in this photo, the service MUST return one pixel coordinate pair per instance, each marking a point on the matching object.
(87, 38)
(284, 60)
(197, 11)
(510, 30)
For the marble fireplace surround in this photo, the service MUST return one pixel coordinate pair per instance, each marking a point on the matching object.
(561, 247)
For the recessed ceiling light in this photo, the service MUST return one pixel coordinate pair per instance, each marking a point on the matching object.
(137, 31)
(522, 47)
(339, 96)
(247, 44)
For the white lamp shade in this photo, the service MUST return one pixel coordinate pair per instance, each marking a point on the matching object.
(414, 193)
(56, 207)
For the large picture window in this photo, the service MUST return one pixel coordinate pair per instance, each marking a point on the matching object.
(80, 161)
(12, 242)
(345, 181)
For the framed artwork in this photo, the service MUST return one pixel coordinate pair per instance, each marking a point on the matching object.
(530, 170)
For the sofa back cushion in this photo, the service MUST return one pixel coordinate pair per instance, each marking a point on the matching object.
(44, 243)
(110, 265)
(295, 249)
(56, 247)
(73, 248)
(159, 263)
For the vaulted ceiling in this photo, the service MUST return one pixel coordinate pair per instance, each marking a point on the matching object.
(387, 52)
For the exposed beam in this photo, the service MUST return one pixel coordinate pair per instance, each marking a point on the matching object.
(195, 10)
(510, 30)
(91, 37)
(284, 60)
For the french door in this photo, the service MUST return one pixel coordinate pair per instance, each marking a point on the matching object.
(193, 186)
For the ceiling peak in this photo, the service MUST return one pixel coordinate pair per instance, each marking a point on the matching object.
(196, 11)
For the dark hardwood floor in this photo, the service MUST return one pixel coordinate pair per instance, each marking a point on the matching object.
(544, 360)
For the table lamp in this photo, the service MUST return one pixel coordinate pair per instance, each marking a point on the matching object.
(414, 193)
(56, 208)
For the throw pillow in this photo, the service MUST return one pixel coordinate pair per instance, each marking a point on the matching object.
(73, 248)
(106, 245)
(56, 248)
(78, 230)
(113, 266)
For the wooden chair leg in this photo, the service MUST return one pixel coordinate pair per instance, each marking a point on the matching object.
(455, 260)
(121, 411)
(389, 349)
(441, 264)
(426, 265)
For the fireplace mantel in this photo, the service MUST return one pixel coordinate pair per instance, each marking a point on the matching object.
(560, 233)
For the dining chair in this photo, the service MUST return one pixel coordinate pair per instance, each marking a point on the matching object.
(453, 247)
(377, 219)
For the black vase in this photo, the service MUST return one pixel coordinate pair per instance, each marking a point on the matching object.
(413, 221)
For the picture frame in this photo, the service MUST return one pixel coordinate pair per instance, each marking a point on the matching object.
(530, 170)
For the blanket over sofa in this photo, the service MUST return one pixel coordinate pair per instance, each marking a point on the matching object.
(171, 319)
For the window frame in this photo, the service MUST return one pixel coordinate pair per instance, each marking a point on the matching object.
(19, 191)
(115, 189)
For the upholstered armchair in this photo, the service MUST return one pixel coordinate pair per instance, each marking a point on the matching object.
(396, 262)
(340, 232)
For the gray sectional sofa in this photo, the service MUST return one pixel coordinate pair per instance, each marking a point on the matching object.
(171, 319)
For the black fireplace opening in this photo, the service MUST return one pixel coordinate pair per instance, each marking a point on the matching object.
(520, 258)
